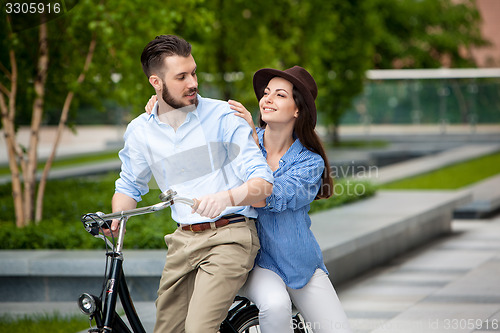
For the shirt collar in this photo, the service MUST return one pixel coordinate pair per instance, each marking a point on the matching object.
(260, 135)
(154, 113)
(293, 151)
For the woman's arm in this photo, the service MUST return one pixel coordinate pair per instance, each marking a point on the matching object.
(297, 186)
(242, 112)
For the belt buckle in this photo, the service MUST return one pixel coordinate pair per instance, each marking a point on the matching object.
(191, 228)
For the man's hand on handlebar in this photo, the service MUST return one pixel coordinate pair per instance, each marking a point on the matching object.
(212, 205)
(209, 206)
(115, 227)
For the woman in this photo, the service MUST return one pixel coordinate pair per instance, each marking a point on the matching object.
(289, 267)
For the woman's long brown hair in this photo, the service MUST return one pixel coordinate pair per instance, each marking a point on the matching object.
(304, 130)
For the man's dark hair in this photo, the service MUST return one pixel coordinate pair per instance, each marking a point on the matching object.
(162, 46)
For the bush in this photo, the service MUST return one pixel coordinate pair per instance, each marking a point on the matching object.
(344, 191)
(67, 200)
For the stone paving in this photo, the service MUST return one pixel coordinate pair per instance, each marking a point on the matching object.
(449, 285)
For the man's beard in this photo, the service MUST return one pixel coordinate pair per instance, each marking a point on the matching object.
(170, 100)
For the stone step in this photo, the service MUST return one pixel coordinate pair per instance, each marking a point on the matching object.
(485, 200)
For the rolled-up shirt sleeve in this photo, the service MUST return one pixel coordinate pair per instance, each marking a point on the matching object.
(135, 171)
(298, 185)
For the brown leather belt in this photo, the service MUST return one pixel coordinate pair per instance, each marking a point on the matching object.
(223, 221)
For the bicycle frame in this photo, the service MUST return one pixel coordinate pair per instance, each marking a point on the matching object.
(103, 311)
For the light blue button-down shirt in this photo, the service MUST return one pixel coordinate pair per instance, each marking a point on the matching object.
(287, 244)
(212, 151)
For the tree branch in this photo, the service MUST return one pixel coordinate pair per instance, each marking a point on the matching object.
(6, 71)
(4, 89)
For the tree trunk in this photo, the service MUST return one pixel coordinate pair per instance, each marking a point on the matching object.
(14, 151)
(36, 120)
(62, 124)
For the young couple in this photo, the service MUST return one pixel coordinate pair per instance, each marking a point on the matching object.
(202, 148)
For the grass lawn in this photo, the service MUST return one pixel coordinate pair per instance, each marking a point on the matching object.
(452, 177)
(44, 323)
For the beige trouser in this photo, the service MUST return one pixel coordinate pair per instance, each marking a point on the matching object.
(202, 274)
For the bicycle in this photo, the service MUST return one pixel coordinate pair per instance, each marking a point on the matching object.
(242, 316)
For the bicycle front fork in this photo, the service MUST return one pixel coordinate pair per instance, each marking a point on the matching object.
(104, 311)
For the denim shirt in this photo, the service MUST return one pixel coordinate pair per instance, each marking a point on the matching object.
(288, 246)
(212, 150)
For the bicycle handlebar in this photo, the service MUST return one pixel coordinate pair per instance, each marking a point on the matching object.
(168, 197)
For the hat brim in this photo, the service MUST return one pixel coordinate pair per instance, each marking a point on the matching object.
(262, 77)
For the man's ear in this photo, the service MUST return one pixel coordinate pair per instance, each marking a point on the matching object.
(156, 82)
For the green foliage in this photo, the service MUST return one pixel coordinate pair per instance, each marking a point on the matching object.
(43, 323)
(121, 29)
(67, 200)
(332, 39)
(345, 191)
(452, 177)
(423, 34)
(343, 53)
(336, 40)
(357, 144)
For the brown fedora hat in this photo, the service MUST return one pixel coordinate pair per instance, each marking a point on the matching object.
(297, 75)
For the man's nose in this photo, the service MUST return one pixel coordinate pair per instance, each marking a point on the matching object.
(193, 82)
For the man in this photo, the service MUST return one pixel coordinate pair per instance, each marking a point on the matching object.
(196, 147)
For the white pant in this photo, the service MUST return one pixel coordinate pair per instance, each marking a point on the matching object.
(317, 302)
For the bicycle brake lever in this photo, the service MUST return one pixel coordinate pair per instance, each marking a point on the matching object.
(91, 227)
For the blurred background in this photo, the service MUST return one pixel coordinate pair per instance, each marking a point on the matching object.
(71, 77)
(399, 81)
(338, 41)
